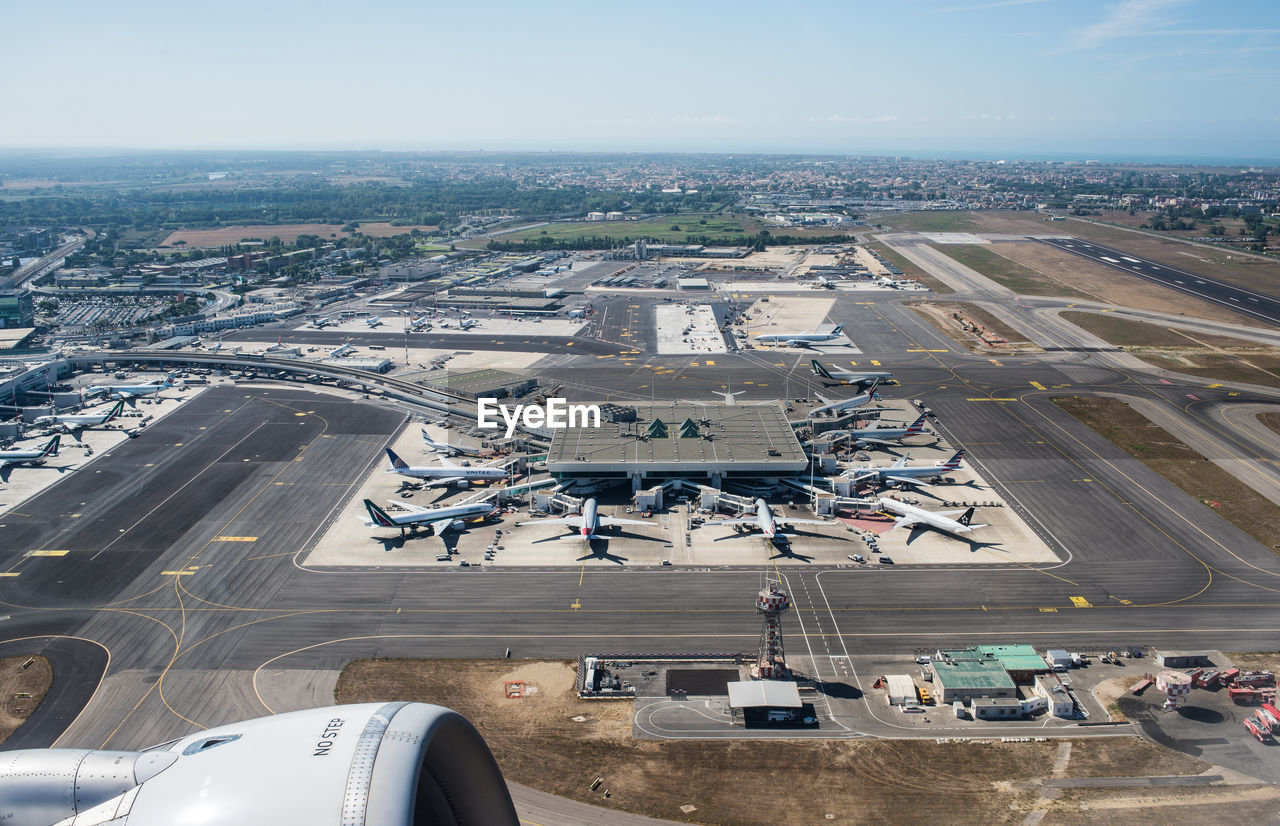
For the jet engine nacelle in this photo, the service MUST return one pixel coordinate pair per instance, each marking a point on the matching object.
(392, 764)
(463, 483)
(458, 524)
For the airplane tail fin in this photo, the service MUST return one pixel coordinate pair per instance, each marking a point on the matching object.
(378, 515)
(917, 426)
(396, 461)
(820, 369)
(51, 449)
(966, 517)
(954, 461)
(837, 330)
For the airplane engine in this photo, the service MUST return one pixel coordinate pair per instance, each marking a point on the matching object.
(392, 764)
(458, 524)
(463, 483)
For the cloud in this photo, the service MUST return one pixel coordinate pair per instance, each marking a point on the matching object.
(1127, 19)
(837, 118)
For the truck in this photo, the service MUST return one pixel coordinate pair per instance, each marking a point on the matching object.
(1257, 731)
(1244, 695)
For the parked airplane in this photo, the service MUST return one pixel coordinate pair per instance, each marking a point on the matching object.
(900, 473)
(850, 403)
(863, 436)
(447, 473)
(439, 520)
(131, 391)
(30, 456)
(800, 339)
(909, 516)
(376, 321)
(321, 323)
(897, 283)
(420, 322)
(448, 449)
(279, 345)
(339, 352)
(467, 323)
(767, 522)
(79, 421)
(861, 378)
(588, 523)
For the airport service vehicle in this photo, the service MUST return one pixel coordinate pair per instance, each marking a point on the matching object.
(900, 473)
(447, 473)
(768, 524)
(861, 378)
(800, 339)
(588, 523)
(439, 520)
(79, 421)
(400, 762)
(842, 405)
(133, 391)
(30, 456)
(448, 449)
(909, 516)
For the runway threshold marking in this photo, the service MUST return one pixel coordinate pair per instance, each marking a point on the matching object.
(1081, 602)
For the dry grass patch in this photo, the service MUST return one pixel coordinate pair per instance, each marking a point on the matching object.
(23, 683)
(989, 260)
(1173, 459)
(940, 316)
(910, 270)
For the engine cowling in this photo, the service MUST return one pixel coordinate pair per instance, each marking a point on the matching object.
(392, 764)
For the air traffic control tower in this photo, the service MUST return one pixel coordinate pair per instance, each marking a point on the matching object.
(649, 444)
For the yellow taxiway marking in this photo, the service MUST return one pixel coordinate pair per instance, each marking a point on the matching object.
(921, 350)
(1081, 602)
(605, 356)
(1233, 393)
(996, 362)
(1048, 610)
(568, 344)
(235, 539)
(1037, 385)
(873, 362)
(693, 364)
(179, 444)
(575, 605)
(1211, 386)
(9, 573)
(991, 400)
(709, 363)
(299, 414)
(46, 553)
(176, 573)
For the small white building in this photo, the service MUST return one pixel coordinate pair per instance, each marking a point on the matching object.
(1057, 656)
(902, 690)
(595, 216)
(1058, 699)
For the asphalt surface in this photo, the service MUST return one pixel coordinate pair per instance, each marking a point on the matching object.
(1242, 300)
(180, 544)
(444, 341)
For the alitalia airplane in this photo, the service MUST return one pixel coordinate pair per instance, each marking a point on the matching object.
(439, 520)
(30, 456)
(862, 378)
(768, 524)
(132, 391)
(588, 523)
(446, 473)
(851, 403)
(79, 421)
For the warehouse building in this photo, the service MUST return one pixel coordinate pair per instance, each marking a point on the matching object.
(1020, 661)
(649, 444)
(967, 680)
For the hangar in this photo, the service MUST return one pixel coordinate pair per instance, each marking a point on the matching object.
(702, 443)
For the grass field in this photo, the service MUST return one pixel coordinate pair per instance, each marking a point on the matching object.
(1010, 274)
(910, 270)
(660, 229)
(539, 742)
(1123, 332)
(1222, 367)
(932, 221)
(1173, 459)
(21, 689)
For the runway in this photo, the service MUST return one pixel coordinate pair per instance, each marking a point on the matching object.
(1240, 299)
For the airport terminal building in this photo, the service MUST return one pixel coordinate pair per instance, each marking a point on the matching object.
(649, 444)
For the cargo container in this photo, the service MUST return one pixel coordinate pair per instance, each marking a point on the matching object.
(1140, 686)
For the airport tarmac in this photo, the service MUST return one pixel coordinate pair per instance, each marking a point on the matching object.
(481, 326)
(687, 329)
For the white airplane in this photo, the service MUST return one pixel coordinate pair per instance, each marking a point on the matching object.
(467, 323)
(863, 436)
(79, 421)
(339, 352)
(909, 516)
(376, 321)
(862, 378)
(31, 456)
(446, 474)
(432, 766)
(321, 323)
(439, 520)
(588, 523)
(767, 522)
(279, 345)
(800, 339)
(850, 403)
(824, 283)
(897, 283)
(900, 473)
(132, 391)
(448, 449)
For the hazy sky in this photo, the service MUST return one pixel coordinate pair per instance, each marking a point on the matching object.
(1158, 78)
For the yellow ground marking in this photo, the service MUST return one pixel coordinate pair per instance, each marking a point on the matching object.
(927, 351)
(568, 344)
(1233, 393)
(575, 605)
(176, 573)
(299, 414)
(1081, 602)
(235, 539)
(1211, 386)
(996, 362)
(710, 363)
(178, 444)
(873, 362)
(9, 573)
(1048, 610)
(748, 382)
(693, 364)
(1037, 385)
(1108, 311)
(605, 356)
(46, 553)
(991, 400)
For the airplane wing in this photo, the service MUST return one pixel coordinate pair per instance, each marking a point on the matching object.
(447, 462)
(613, 520)
(564, 520)
(905, 521)
(440, 526)
(902, 480)
(866, 474)
(786, 521)
(409, 507)
(750, 520)
(873, 441)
